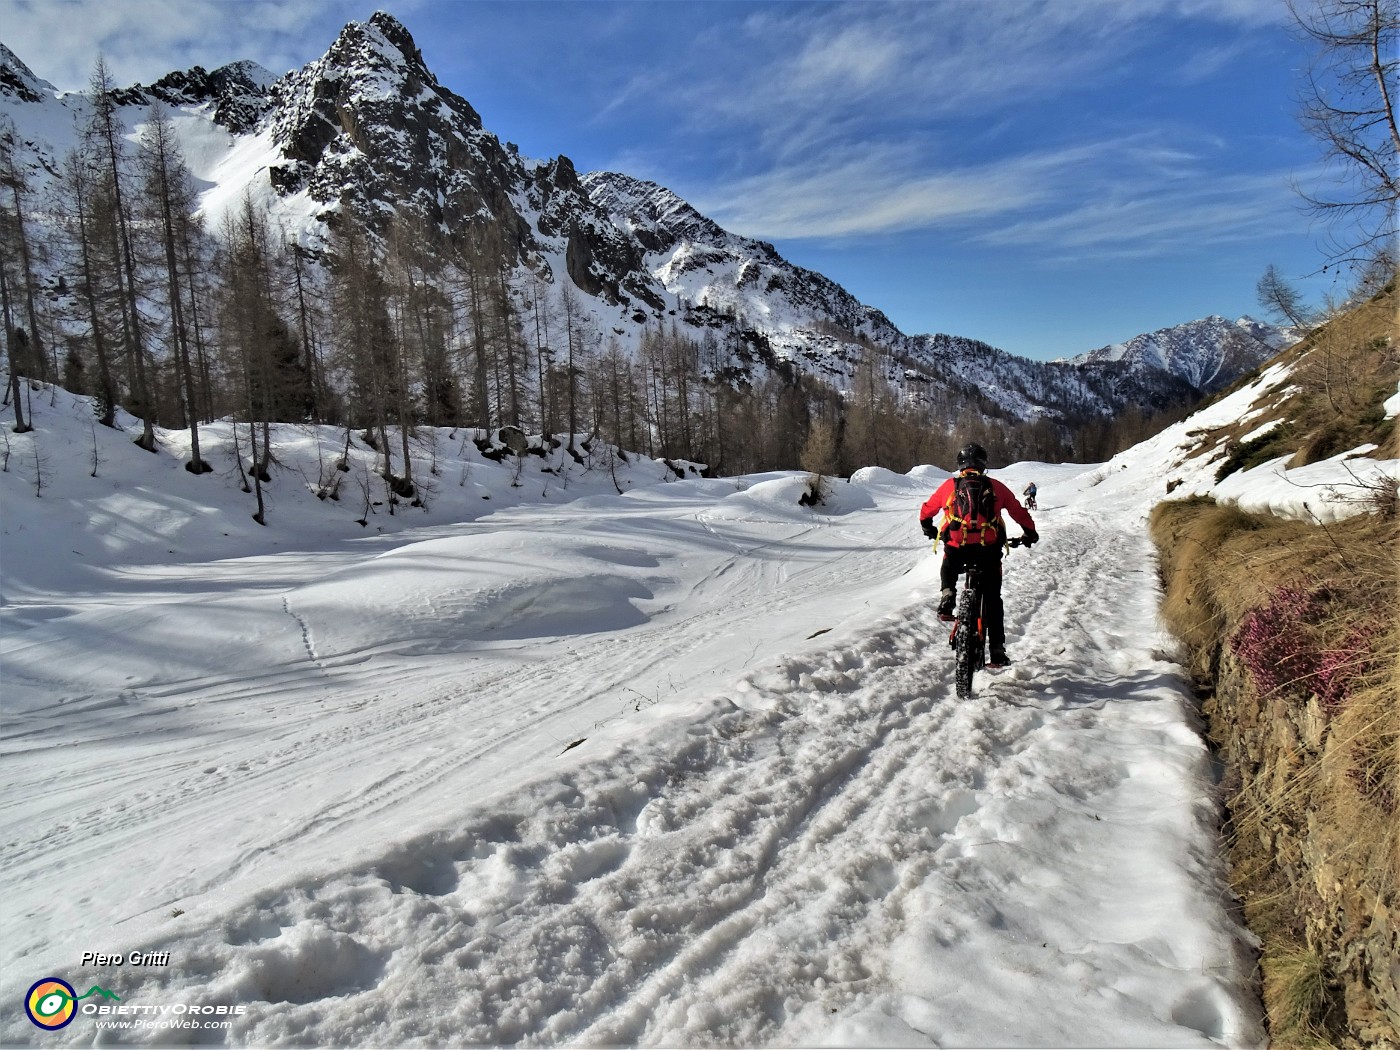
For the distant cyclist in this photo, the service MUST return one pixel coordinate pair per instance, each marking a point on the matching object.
(1029, 493)
(973, 535)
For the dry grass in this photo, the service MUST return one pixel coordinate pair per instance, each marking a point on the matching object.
(1342, 373)
(1314, 835)
(1295, 985)
(1293, 629)
(1200, 542)
(1221, 563)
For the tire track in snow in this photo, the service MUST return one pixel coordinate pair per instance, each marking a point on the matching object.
(887, 776)
(717, 882)
(772, 807)
(827, 823)
(242, 773)
(719, 885)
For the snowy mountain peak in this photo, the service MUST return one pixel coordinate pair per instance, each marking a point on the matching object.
(19, 81)
(238, 93)
(802, 316)
(246, 72)
(380, 55)
(368, 126)
(1208, 353)
(373, 74)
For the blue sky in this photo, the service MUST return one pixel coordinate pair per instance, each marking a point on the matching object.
(1046, 176)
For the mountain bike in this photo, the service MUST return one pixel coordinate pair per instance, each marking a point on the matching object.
(968, 637)
(1030, 503)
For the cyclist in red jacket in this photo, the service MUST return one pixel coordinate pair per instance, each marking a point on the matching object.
(973, 535)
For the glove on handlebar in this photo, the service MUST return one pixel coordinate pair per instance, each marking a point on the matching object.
(1030, 536)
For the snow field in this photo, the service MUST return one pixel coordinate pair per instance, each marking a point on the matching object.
(680, 766)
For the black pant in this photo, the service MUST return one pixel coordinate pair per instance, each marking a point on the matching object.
(986, 560)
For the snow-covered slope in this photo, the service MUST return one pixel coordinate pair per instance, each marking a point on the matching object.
(1179, 465)
(803, 313)
(44, 123)
(813, 321)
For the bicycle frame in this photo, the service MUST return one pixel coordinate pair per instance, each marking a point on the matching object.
(968, 637)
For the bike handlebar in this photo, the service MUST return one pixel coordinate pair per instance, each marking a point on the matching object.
(1014, 541)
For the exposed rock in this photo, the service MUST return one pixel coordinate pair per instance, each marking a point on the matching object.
(1345, 910)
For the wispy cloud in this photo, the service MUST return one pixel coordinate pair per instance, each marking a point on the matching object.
(797, 78)
(809, 120)
(142, 40)
(1135, 197)
(1137, 219)
(796, 73)
(886, 189)
(850, 120)
(1203, 65)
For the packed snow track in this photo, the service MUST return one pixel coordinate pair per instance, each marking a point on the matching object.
(678, 767)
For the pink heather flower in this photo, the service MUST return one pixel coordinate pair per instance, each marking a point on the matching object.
(1272, 641)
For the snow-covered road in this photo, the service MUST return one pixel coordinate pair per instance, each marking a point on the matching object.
(676, 767)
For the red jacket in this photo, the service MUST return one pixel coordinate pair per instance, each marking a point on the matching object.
(1005, 501)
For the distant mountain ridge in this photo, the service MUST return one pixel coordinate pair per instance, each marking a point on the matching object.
(367, 130)
(1209, 354)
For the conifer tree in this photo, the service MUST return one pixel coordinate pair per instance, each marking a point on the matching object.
(257, 337)
(471, 265)
(367, 342)
(18, 252)
(77, 190)
(15, 392)
(575, 336)
(538, 293)
(105, 133)
(169, 189)
(309, 323)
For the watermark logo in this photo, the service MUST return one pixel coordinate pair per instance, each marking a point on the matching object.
(52, 1002)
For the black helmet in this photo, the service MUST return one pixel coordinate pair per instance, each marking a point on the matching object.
(972, 456)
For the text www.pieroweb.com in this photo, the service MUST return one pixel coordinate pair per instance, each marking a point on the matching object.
(152, 1017)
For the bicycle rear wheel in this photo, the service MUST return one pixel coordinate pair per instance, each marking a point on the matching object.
(967, 643)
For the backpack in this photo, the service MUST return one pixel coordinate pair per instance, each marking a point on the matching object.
(973, 510)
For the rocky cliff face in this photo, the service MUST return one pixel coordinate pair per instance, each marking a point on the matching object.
(813, 321)
(368, 128)
(18, 80)
(239, 93)
(701, 263)
(1347, 913)
(1063, 389)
